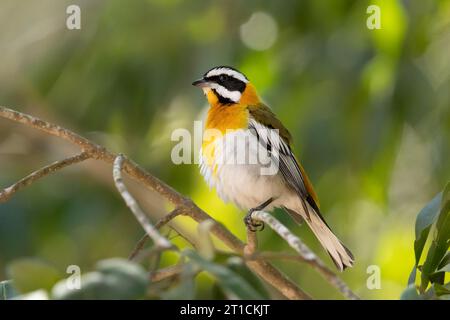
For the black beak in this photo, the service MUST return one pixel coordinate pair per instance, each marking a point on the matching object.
(201, 83)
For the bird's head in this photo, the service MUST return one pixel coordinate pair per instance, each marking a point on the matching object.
(225, 86)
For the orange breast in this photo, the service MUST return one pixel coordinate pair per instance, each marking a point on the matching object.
(235, 116)
(223, 118)
(220, 120)
(227, 117)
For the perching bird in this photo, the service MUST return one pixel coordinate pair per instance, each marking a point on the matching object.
(239, 126)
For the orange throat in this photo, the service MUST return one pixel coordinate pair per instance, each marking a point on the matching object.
(223, 118)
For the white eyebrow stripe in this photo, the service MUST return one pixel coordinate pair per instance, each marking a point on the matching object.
(227, 71)
(234, 96)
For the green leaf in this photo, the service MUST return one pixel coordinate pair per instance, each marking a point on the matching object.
(424, 221)
(129, 275)
(410, 293)
(443, 222)
(237, 265)
(445, 261)
(441, 290)
(94, 285)
(231, 282)
(435, 254)
(114, 279)
(440, 244)
(437, 277)
(7, 290)
(31, 274)
(444, 269)
(185, 290)
(412, 276)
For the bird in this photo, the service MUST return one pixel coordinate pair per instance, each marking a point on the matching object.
(238, 126)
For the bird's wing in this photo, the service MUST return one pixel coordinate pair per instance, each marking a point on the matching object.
(261, 119)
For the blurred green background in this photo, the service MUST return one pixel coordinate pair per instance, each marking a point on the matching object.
(369, 111)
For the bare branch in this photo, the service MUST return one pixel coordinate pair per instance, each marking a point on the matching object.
(130, 167)
(47, 127)
(278, 280)
(159, 240)
(306, 255)
(162, 222)
(317, 265)
(274, 276)
(264, 269)
(169, 217)
(7, 193)
(285, 233)
(169, 272)
(138, 247)
(252, 243)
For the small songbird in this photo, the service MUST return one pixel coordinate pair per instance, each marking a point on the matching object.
(240, 123)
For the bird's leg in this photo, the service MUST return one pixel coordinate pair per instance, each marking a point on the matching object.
(250, 223)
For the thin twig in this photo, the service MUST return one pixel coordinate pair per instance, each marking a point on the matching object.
(169, 217)
(152, 232)
(163, 221)
(138, 247)
(190, 241)
(165, 273)
(317, 265)
(7, 193)
(285, 233)
(306, 255)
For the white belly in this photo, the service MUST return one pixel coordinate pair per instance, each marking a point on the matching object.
(238, 175)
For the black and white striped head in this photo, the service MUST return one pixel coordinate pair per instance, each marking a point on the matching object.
(226, 83)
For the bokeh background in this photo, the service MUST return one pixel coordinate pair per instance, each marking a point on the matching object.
(369, 111)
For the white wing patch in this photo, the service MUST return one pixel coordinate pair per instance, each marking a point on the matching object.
(269, 136)
(288, 166)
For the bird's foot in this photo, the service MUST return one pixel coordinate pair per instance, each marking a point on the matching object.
(253, 225)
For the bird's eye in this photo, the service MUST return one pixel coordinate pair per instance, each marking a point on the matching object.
(222, 77)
